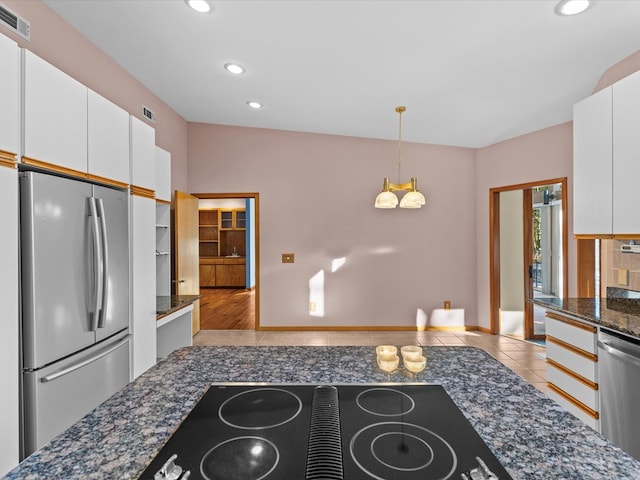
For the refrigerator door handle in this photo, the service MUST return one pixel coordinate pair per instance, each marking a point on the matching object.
(98, 276)
(105, 264)
(83, 363)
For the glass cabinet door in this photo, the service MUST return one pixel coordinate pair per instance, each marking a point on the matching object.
(226, 219)
(241, 219)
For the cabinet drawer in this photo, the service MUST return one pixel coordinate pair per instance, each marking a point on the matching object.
(585, 393)
(575, 362)
(572, 407)
(571, 331)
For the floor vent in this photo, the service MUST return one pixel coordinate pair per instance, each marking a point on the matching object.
(149, 114)
(14, 22)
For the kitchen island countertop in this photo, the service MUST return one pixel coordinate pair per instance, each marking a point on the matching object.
(532, 436)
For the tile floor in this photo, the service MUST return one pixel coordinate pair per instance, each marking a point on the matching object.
(524, 358)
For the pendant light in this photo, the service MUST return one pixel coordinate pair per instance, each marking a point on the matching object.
(413, 198)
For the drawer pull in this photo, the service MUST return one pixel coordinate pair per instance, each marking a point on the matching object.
(589, 411)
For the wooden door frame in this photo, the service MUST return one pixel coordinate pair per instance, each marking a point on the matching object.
(494, 245)
(256, 198)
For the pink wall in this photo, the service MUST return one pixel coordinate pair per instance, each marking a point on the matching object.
(316, 200)
(538, 156)
(59, 44)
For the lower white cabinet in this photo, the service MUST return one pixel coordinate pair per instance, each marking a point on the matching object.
(143, 283)
(572, 373)
(174, 331)
(9, 340)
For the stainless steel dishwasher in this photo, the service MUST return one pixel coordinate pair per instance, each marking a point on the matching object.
(619, 384)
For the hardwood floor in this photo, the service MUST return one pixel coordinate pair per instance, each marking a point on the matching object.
(227, 309)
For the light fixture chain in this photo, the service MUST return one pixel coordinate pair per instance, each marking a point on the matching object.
(399, 110)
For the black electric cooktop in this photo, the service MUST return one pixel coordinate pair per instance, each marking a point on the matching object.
(240, 431)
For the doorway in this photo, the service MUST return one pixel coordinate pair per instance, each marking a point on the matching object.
(229, 261)
(528, 238)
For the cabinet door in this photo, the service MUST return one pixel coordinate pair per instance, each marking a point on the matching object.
(143, 283)
(108, 139)
(9, 376)
(230, 275)
(163, 175)
(143, 154)
(55, 115)
(207, 275)
(626, 155)
(592, 164)
(9, 96)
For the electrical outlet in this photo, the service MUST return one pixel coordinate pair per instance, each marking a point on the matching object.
(288, 258)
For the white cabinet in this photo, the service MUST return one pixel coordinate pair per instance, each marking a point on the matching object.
(592, 165)
(606, 163)
(163, 248)
(572, 372)
(108, 140)
(55, 116)
(143, 154)
(9, 319)
(9, 98)
(626, 155)
(143, 284)
(163, 175)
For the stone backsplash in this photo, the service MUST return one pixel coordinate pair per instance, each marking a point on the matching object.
(622, 268)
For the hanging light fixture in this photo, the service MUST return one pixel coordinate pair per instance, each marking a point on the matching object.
(413, 198)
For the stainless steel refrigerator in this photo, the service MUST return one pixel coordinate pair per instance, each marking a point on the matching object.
(75, 301)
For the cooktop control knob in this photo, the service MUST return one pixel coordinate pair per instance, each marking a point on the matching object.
(481, 472)
(169, 471)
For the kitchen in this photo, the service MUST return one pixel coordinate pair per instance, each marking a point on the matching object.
(359, 234)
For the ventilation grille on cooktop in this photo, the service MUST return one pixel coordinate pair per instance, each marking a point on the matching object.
(324, 458)
(14, 22)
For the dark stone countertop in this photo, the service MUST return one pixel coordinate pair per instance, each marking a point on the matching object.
(531, 435)
(166, 304)
(619, 314)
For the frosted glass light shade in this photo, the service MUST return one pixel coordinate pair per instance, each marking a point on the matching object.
(412, 200)
(386, 200)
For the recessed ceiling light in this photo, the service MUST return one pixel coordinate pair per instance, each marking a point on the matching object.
(254, 104)
(572, 7)
(201, 6)
(234, 68)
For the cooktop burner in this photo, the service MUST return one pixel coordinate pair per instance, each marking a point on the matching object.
(324, 432)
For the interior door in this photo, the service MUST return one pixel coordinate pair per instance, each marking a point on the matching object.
(528, 251)
(187, 251)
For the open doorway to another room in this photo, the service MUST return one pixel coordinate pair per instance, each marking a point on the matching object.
(527, 257)
(228, 252)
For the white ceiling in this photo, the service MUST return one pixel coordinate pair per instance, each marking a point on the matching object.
(471, 72)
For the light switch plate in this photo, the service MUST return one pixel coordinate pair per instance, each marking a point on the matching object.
(623, 276)
(288, 258)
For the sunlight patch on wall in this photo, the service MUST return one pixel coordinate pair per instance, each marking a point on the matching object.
(336, 263)
(316, 295)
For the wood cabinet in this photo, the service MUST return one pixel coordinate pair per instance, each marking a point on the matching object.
(572, 373)
(605, 160)
(55, 116)
(222, 272)
(209, 233)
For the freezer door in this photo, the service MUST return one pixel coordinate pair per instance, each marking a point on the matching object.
(113, 209)
(58, 396)
(56, 284)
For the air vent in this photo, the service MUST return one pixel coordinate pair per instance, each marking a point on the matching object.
(14, 22)
(149, 114)
(324, 457)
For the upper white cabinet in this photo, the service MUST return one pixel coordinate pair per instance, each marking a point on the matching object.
(143, 154)
(163, 175)
(606, 164)
(592, 165)
(626, 155)
(55, 116)
(108, 139)
(9, 97)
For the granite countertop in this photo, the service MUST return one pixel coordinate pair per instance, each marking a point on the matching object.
(620, 314)
(532, 436)
(166, 304)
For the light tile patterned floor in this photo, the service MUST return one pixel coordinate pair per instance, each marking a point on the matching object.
(524, 358)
